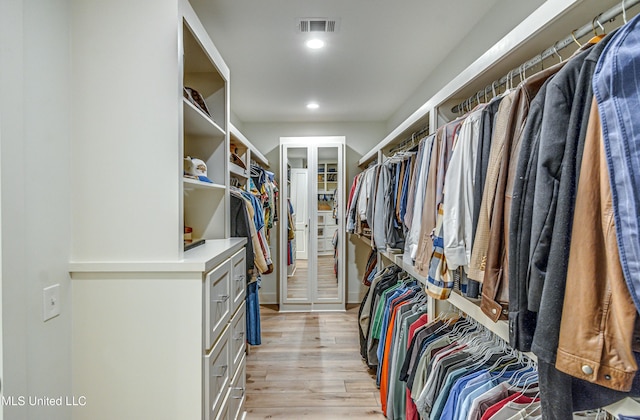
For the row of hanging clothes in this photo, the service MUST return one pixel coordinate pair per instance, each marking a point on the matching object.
(378, 199)
(450, 367)
(253, 214)
(529, 201)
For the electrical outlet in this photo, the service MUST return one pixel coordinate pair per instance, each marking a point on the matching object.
(50, 302)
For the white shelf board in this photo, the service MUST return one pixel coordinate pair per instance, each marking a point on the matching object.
(363, 238)
(534, 23)
(472, 309)
(197, 123)
(627, 406)
(397, 260)
(255, 153)
(194, 184)
(237, 170)
(199, 259)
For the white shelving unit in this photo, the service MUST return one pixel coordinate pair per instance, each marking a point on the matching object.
(153, 322)
(327, 177)
(197, 123)
(247, 153)
(194, 184)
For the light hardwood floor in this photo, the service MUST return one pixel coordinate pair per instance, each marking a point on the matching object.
(309, 367)
(298, 284)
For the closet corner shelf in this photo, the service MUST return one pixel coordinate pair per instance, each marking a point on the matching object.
(237, 170)
(198, 123)
(193, 184)
(472, 309)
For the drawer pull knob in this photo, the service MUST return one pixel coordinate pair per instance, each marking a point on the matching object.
(240, 277)
(239, 336)
(222, 299)
(241, 393)
(223, 370)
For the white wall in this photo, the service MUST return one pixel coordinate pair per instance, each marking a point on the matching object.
(497, 22)
(360, 138)
(125, 131)
(35, 151)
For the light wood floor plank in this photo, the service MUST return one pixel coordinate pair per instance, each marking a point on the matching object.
(309, 367)
(313, 399)
(361, 386)
(350, 413)
(293, 387)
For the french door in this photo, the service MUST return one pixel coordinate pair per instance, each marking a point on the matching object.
(312, 224)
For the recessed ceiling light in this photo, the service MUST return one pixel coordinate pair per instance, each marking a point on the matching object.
(315, 44)
(313, 105)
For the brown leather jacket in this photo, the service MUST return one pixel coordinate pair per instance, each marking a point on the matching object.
(598, 326)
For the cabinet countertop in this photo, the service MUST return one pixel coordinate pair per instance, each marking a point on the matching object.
(200, 259)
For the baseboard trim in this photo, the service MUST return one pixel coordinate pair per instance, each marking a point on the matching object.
(355, 297)
(268, 298)
(272, 298)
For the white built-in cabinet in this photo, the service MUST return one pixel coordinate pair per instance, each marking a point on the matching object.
(158, 332)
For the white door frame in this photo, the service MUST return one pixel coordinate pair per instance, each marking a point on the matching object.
(312, 144)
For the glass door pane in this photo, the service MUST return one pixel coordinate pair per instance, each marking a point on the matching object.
(297, 285)
(327, 284)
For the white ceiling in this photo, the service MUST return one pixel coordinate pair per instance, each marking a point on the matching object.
(384, 52)
(381, 53)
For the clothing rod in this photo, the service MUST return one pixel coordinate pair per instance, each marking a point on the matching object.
(587, 28)
(415, 136)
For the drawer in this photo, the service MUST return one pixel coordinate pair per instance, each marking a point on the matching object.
(238, 278)
(217, 375)
(217, 307)
(238, 336)
(223, 413)
(237, 393)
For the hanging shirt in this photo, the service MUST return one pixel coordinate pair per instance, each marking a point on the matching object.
(458, 192)
(413, 235)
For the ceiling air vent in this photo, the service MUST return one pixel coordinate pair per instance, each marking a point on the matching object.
(317, 25)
